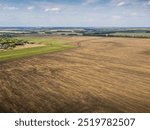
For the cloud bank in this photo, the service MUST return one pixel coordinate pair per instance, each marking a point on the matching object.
(75, 13)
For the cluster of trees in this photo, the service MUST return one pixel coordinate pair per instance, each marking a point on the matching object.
(6, 43)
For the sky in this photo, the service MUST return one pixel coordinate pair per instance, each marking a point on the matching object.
(75, 13)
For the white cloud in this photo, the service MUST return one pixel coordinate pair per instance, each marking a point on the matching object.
(30, 8)
(10, 8)
(52, 9)
(148, 3)
(87, 2)
(46, 10)
(133, 14)
(116, 17)
(121, 3)
(55, 9)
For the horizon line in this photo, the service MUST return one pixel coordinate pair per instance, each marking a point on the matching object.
(74, 26)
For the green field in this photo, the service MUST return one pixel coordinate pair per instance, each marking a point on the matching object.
(128, 34)
(49, 45)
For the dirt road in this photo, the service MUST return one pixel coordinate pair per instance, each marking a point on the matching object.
(100, 75)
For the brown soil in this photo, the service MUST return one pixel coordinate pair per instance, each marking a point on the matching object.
(100, 75)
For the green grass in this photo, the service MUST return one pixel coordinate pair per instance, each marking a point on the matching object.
(44, 40)
(50, 45)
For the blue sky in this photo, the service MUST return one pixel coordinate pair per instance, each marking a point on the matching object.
(93, 13)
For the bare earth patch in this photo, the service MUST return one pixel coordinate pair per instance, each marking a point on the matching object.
(28, 46)
(101, 75)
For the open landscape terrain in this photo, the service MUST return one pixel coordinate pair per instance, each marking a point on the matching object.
(20, 47)
(86, 74)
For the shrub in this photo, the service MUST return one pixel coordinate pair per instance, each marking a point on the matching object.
(6, 43)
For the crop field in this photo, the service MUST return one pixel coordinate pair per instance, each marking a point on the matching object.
(98, 74)
(140, 35)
